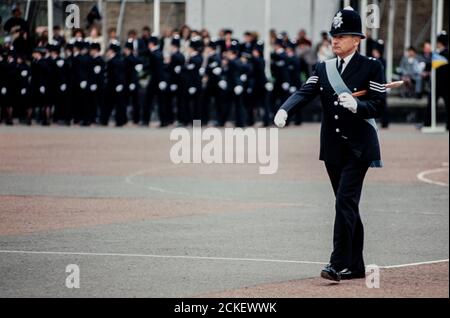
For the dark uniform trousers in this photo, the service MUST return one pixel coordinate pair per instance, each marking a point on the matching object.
(349, 146)
(348, 234)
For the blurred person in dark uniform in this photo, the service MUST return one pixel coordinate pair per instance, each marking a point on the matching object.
(442, 77)
(261, 86)
(233, 87)
(40, 86)
(7, 85)
(133, 66)
(192, 79)
(59, 83)
(294, 73)
(213, 76)
(115, 86)
(248, 83)
(175, 81)
(280, 75)
(80, 80)
(23, 92)
(157, 84)
(96, 79)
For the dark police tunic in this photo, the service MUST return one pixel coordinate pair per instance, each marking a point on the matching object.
(349, 146)
(96, 77)
(174, 71)
(115, 95)
(132, 65)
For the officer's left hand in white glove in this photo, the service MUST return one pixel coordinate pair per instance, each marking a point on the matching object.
(280, 118)
(348, 101)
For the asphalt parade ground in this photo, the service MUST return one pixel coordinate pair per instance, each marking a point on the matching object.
(111, 202)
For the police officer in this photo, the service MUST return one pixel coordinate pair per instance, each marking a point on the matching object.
(280, 74)
(192, 79)
(22, 93)
(175, 80)
(157, 84)
(115, 86)
(213, 72)
(294, 73)
(59, 82)
(40, 86)
(133, 66)
(261, 86)
(248, 82)
(80, 81)
(7, 67)
(349, 139)
(233, 86)
(96, 79)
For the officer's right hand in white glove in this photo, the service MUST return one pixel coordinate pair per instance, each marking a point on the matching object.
(280, 118)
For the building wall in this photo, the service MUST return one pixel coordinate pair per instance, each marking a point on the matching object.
(243, 15)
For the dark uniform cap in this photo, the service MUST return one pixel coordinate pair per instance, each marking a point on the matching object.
(443, 38)
(279, 41)
(114, 45)
(176, 41)
(292, 45)
(95, 46)
(196, 43)
(129, 45)
(234, 47)
(347, 22)
(79, 43)
(154, 40)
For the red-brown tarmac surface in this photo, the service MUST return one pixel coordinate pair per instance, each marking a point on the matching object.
(111, 201)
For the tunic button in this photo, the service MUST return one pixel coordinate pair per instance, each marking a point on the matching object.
(336, 117)
(338, 130)
(336, 103)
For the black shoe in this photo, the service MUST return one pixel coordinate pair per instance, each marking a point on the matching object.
(330, 273)
(349, 274)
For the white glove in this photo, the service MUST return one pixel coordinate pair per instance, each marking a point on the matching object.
(243, 77)
(192, 90)
(177, 69)
(60, 63)
(23, 91)
(132, 87)
(269, 86)
(217, 71)
(223, 85)
(280, 118)
(348, 101)
(238, 90)
(162, 86)
(63, 87)
(285, 86)
(201, 71)
(93, 87)
(4, 90)
(138, 68)
(119, 88)
(83, 84)
(97, 69)
(292, 90)
(42, 89)
(24, 73)
(173, 87)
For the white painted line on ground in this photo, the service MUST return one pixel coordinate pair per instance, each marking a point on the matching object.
(163, 256)
(422, 176)
(204, 258)
(415, 264)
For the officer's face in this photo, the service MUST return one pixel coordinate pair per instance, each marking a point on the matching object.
(344, 45)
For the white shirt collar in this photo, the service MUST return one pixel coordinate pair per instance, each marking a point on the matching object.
(347, 60)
